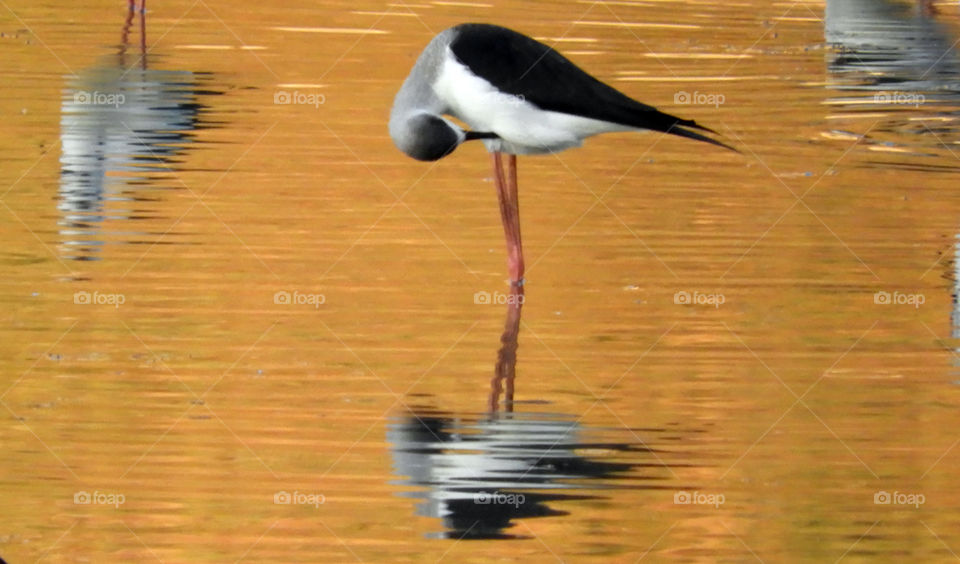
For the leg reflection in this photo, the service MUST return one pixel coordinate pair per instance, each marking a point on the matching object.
(506, 367)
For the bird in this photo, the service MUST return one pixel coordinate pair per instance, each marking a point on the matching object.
(518, 96)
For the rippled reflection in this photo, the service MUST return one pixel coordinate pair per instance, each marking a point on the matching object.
(123, 127)
(483, 471)
(898, 69)
(886, 45)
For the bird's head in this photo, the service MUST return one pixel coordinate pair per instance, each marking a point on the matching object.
(427, 137)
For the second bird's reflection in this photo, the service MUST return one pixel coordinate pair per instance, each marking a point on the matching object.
(125, 131)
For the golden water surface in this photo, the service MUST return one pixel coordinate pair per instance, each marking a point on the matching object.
(239, 325)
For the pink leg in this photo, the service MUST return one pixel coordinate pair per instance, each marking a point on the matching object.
(509, 214)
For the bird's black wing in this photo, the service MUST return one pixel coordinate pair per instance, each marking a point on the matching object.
(524, 67)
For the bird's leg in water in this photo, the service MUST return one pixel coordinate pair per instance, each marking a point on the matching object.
(509, 213)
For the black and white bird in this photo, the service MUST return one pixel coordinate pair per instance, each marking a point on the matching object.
(520, 97)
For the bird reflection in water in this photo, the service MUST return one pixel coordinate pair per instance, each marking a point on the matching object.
(896, 58)
(883, 44)
(123, 128)
(483, 471)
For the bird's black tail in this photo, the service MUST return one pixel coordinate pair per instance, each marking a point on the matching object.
(679, 128)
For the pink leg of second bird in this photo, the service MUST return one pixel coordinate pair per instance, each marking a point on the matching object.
(509, 213)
